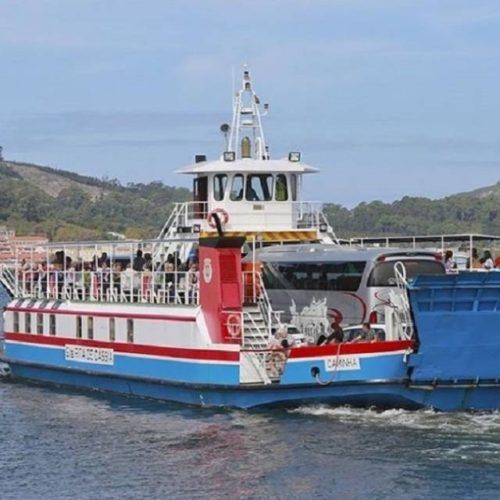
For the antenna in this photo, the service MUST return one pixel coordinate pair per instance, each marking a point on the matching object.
(246, 134)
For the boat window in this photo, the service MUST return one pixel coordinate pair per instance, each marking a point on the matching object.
(200, 197)
(259, 187)
(383, 273)
(78, 327)
(220, 183)
(293, 183)
(130, 330)
(333, 276)
(15, 321)
(90, 327)
(52, 324)
(112, 330)
(39, 324)
(237, 188)
(27, 322)
(281, 191)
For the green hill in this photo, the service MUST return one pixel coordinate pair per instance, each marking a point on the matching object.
(69, 206)
(476, 211)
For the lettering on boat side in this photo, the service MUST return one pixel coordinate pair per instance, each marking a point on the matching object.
(342, 363)
(89, 354)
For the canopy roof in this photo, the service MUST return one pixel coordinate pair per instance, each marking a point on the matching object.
(248, 165)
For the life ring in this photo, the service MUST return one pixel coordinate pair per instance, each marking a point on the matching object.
(233, 325)
(223, 217)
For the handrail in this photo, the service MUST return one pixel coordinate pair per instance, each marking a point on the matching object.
(155, 287)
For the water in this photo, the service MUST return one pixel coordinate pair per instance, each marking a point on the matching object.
(61, 444)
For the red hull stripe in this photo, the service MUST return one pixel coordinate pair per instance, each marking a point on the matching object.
(357, 348)
(118, 347)
(99, 314)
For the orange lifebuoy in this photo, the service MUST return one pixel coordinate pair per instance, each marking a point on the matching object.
(223, 217)
(233, 324)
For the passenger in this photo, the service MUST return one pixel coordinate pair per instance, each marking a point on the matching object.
(103, 258)
(366, 335)
(336, 336)
(449, 262)
(192, 283)
(488, 263)
(138, 264)
(475, 260)
(497, 263)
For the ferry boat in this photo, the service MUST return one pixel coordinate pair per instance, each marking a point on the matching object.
(186, 317)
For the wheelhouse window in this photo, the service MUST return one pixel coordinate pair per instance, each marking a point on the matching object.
(220, 183)
(293, 182)
(39, 324)
(383, 273)
(259, 187)
(280, 189)
(332, 276)
(15, 322)
(237, 188)
(52, 324)
(200, 196)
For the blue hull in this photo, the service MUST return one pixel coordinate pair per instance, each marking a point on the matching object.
(382, 394)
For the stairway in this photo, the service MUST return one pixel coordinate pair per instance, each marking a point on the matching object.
(8, 280)
(255, 327)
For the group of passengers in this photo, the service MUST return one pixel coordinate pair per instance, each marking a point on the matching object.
(484, 263)
(366, 334)
(134, 279)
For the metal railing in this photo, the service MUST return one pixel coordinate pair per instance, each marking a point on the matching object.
(154, 287)
(304, 215)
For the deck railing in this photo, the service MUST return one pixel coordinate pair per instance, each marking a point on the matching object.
(304, 215)
(155, 287)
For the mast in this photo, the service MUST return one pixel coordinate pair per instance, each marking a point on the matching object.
(246, 137)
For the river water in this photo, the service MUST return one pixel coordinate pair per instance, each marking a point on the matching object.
(61, 444)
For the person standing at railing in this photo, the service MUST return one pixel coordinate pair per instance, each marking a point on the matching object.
(488, 262)
(449, 262)
(138, 264)
(192, 283)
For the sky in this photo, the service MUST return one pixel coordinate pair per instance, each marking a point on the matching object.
(387, 98)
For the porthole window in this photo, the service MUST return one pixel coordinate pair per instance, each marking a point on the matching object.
(112, 330)
(27, 322)
(130, 330)
(237, 188)
(39, 324)
(281, 189)
(220, 183)
(78, 327)
(52, 324)
(90, 327)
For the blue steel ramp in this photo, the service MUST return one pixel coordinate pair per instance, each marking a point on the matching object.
(457, 318)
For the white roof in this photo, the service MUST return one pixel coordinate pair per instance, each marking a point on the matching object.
(248, 165)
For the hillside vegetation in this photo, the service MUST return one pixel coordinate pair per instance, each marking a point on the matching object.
(68, 206)
(474, 212)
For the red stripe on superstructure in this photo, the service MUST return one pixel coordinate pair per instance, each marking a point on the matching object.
(344, 349)
(97, 314)
(119, 347)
